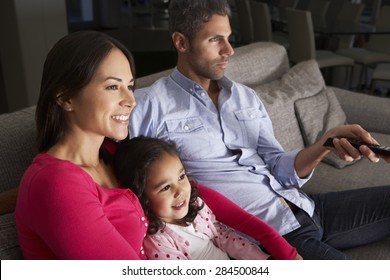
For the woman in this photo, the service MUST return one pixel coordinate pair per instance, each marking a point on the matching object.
(70, 204)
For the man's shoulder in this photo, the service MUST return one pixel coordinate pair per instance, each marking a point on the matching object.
(146, 83)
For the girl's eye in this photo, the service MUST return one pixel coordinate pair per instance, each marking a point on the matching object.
(182, 177)
(113, 87)
(165, 188)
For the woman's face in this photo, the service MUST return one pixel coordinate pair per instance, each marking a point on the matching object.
(103, 106)
(168, 189)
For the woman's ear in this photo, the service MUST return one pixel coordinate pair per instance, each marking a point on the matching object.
(65, 104)
(180, 42)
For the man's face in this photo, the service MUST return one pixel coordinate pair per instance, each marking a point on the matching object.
(207, 57)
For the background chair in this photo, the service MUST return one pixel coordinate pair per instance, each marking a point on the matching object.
(349, 15)
(377, 49)
(381, 73)
(303, 5)
(318, 8)
(283, 5)
(245, 25)
(334, 9)
(371, 11)
(302, 43)
(262, 25)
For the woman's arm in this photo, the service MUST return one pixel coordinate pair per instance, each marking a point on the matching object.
(232, 215)
(227, 239)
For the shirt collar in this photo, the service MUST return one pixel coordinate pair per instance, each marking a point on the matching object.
(192, 87)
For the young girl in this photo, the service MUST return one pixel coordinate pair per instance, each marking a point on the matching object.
(181, 226)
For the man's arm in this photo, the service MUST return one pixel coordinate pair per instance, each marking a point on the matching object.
(307, 159)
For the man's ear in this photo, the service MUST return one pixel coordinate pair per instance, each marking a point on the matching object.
(180, 42)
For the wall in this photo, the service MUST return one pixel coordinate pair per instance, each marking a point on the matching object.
(28, 29)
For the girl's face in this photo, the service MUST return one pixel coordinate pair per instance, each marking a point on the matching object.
(103, 106)
(168, 189)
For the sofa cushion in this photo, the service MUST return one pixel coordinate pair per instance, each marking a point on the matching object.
(271, 57)
(301, 81)
(18, 146)
(362, 174)
(9, 247)
(317, 114)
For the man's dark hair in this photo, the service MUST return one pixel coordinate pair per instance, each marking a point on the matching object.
(188, 16)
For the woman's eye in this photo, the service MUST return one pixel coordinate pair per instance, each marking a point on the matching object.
(131, 88)
(113, 87)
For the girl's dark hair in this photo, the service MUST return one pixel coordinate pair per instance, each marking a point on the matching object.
(69, 66)
(188, 16)
(132, 162)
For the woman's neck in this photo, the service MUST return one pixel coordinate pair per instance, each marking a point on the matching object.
(84, 152)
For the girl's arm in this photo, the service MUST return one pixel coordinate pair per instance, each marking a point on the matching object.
(232, 215)
(163, 246)
(227, 239)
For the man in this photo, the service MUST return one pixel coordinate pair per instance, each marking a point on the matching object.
(200, 109)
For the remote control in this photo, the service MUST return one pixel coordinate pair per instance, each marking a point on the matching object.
(378, 149)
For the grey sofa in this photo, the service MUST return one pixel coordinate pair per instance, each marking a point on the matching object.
(264, 67)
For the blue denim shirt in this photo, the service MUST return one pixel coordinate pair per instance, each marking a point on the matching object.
(231, 149)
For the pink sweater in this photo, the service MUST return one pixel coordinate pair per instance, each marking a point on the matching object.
(62, 213)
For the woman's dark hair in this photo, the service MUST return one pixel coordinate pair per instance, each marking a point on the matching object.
(188, 16)
(69, 66)
(132, 163)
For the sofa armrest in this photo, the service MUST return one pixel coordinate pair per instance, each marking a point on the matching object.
(371, 112)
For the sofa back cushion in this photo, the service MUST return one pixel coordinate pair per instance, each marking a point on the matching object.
(9, 245)
(301, 81)
(253, 64)
(18, 146)
(258, 63)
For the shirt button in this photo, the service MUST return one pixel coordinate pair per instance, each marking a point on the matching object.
(146, 224)
(202, 94)
(186, 127)
(143, 219)
(251, 116)
(142, 252)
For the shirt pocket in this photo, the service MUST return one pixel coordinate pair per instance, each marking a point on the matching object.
(190, 136)
(249, 120)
